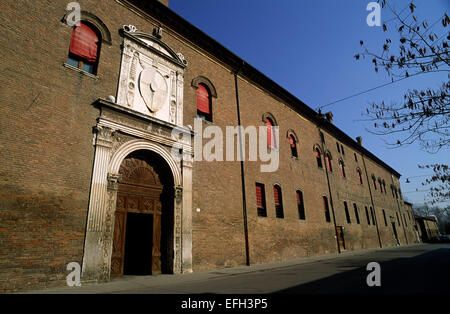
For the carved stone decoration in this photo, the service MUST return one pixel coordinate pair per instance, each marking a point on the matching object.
(138, 171)
(173, 112)
(153, 88)
(178, 194)
(180, 55)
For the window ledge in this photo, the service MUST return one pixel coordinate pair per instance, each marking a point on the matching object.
(71, 67)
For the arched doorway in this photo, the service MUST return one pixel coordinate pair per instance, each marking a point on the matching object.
(143, 227)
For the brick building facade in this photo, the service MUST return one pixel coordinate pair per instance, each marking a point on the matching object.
(87, 159)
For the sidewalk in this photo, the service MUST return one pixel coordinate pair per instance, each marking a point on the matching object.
(130, 283)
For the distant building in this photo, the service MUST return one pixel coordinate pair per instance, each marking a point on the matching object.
(427, 227)
(88, 173)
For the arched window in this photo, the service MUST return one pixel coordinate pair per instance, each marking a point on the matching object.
(318, 157)
(381, 186)
(84, 50)
(261, 200)
(374, 182)
(204, 109)
(359, 176)
(384, 186)
(341, 165)
(328, 160)
(278, 201)
(300, 205)
(293, 144)
(270, 137)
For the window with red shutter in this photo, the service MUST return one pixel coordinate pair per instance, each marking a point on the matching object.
(359, 176)
(260, 200)
(84, 48)
(204, 108)
(341, 164)
(328, 163)
(269, 125)
(278, 202)
(293, 145)
(318, 158)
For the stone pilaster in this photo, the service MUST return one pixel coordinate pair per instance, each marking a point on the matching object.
(98, 205)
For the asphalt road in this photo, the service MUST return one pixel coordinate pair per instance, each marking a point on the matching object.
(415, 269)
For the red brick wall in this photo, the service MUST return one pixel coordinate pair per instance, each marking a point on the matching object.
(46, 119)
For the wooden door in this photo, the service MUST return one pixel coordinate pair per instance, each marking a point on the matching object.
(340, 236)
(139, 193)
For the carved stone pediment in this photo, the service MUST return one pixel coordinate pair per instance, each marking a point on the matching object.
(151, 77)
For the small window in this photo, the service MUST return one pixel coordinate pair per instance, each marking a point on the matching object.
(293, 145)
(374, 182)
(204, 109)
(328, 160)
(356, 213)
(318, 158)
(398, 219)
(356, 158)
(300, 205)
(270, 137)
(347, 214)
(342, 150)
(278, 201)
(359, 176)
(372, 212)
(380, 185)
(261, 200)
(326, 209)
(338, 149)
(384, 217)
(84, 48)
(341, 165)
(367, 215)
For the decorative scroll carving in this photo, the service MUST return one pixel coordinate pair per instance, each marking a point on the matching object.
(104, 136)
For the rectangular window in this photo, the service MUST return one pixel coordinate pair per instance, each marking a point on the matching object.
(261, 200)
(278, 202)
(347, 214)
(367, 215)
(356, 158)
(300, 205)
(384, 217)
(356, 213)
(342, 150)
(338, 149)
(327, 210)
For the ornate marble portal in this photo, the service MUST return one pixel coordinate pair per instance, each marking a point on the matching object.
(149, 106)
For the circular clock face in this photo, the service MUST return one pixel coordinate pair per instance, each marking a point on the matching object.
(153, 89)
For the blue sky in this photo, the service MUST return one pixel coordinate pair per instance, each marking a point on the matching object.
(307, 47)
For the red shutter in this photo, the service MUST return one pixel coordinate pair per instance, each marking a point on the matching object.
(259, 201)
(317, 153)
(276, 195)
(328, 163)
(298, 198)
(292, 141)
(342, 170)
(84, 43)
(203, 99)
(269, 132)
